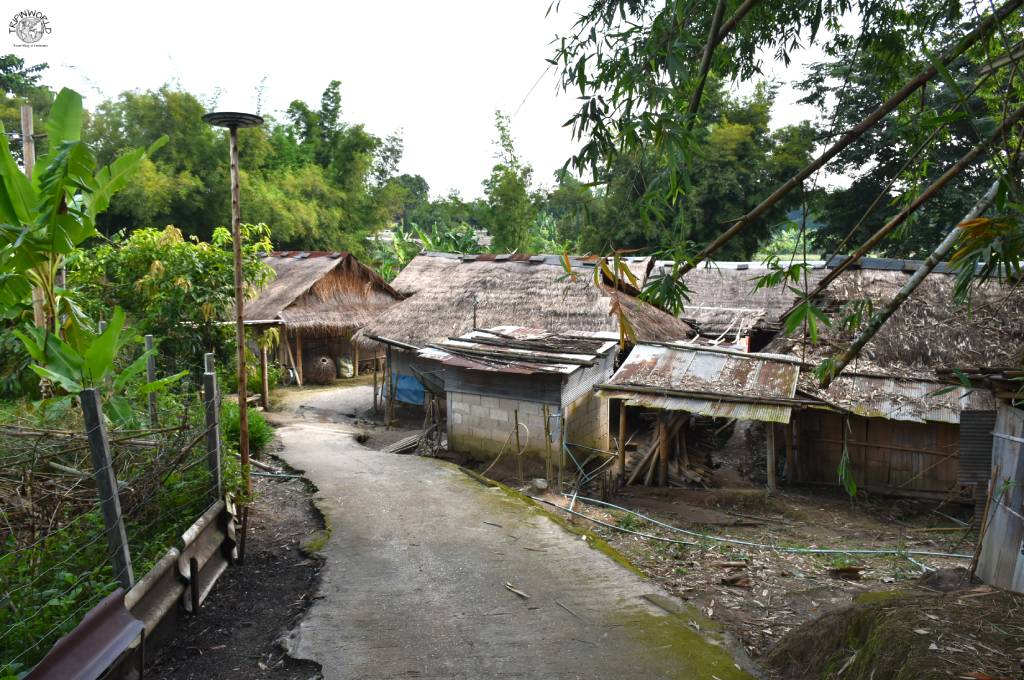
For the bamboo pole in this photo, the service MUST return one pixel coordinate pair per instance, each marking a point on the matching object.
(705, 65)
(770, 456)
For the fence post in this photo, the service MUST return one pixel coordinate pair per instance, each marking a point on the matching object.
(213, 445)
(209, 362)
(150, 377)
(106, 486)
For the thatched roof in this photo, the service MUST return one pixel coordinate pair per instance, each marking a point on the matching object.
(517, 290)
(930, 331)
(723, 299)
(320, 292)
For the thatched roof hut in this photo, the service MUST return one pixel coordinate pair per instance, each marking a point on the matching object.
(450, 295)
(320, 294)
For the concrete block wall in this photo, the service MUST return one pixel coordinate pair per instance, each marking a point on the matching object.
(587, 422)
(479, 425)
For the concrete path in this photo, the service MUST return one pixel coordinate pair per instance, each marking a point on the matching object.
(415, 574)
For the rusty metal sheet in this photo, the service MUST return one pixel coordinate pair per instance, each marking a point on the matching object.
(539, 351)
(767, 413)
(102, 637)
(916, 401)
(743, 380)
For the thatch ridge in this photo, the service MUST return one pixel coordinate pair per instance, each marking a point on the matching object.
(445, 289)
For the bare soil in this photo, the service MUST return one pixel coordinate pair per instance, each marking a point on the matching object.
(254, 604)
(765, 597)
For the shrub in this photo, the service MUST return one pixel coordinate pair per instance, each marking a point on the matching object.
(260, 431)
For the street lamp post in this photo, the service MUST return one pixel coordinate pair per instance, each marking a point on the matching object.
(232, 121)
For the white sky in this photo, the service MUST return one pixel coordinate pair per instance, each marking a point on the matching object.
(436, 69)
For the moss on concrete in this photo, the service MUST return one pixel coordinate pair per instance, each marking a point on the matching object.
(593, 540)
(693, 654)
(694, 643)
(316, 542)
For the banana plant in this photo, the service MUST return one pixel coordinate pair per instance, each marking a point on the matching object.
(90, 360)
(45, 217)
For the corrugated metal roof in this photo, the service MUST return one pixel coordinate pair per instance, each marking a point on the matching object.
(718, 383)
(916, 401)
(516, 349)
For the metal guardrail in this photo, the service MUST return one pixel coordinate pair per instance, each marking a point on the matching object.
(118, 627)
(103, 637)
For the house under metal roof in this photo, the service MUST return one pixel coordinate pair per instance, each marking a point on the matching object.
(707, 381)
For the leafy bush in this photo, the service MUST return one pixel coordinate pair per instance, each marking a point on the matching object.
(260, 431)
(175, 288)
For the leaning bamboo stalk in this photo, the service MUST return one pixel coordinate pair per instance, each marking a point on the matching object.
(879, 319)
(705, 65)
(855, 133)
(935, 187)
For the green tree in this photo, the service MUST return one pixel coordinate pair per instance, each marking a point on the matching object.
(511, 214)
(177, 288)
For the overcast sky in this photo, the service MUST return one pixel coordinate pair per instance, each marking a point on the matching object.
(435, 69)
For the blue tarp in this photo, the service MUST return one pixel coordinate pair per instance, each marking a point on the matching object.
(409, 390)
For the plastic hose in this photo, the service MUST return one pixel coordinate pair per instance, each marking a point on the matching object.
(764, 546)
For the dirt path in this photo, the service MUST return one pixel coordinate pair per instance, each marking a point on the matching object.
(415, 574)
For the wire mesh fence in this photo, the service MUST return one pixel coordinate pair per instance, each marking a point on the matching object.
(57, 557)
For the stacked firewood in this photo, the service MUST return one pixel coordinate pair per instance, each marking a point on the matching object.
(683, 470)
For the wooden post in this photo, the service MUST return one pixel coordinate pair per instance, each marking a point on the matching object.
(236, 233)
(519, 446)
(213, 444)
(663, 450)
(376, 364)
(787, 432)
(355, 360)
(28, 154)
(298, 355)
(622, 437)
(209, 362)
(150, 377)
(770, 446)
(264, 379)
(106, 486)
(547, 443)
